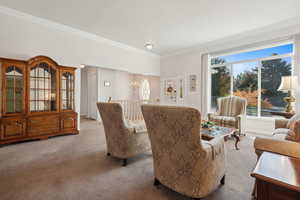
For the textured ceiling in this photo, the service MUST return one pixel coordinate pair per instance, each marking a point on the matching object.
(171, 25)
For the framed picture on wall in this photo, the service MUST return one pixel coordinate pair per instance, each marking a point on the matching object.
(193, 83)
(170, 90)
(181, 89)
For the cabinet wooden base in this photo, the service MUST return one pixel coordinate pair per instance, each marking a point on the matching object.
(6, 142)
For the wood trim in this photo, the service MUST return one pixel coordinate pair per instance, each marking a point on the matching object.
(32, 63)
(38, 59)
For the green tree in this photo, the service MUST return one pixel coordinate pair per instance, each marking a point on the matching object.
(272, 71)
(220, 80)
(246, 81)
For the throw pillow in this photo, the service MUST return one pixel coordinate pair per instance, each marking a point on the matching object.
(291, 121)
(294, 132)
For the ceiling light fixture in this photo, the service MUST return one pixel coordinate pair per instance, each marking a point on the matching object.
(149, 46)
(81, 66)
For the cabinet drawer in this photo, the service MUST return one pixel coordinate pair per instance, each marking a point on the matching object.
(43, 125)
(12, 128)
(69, 121)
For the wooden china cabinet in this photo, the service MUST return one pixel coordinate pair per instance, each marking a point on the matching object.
(37, 99)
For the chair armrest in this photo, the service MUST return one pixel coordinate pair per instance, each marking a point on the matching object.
(214, 146)
(210, 114)
(241, 116)
(239, 121)
(278, 146)
(281, 123)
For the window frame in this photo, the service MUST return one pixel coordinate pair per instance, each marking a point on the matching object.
(259, 65)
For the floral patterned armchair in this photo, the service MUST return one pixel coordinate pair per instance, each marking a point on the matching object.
(123, 140)
(182, 161)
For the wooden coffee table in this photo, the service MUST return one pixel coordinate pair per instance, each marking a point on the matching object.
(277, 177)
(220, 131)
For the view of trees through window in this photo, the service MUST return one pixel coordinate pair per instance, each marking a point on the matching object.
(257, 80)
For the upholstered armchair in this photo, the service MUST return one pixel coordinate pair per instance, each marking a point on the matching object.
(230, 110)
(182, 161)
(285, 139)
(123, 140)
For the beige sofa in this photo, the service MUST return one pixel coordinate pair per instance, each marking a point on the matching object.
(123, 139)
(278, 142)
(182, 161)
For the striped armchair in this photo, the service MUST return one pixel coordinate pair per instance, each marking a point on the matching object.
(229, 112)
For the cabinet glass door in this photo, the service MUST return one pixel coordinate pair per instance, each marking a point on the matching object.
(14, 89)
(42, 88)
(67, 91)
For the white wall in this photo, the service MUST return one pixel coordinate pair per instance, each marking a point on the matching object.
(183, 65)
(121, 84)
(105, 92)
(24, 36)
(84, 93)
(154, 82)
(119, 88)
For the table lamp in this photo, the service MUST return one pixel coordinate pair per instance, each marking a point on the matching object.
(288, 83)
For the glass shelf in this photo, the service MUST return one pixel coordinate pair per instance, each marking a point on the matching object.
(14, 79)
(42, 88)
(67, 91)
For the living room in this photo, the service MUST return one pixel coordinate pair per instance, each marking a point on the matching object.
(150, 99)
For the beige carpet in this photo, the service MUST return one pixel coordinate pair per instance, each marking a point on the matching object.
(76, 167)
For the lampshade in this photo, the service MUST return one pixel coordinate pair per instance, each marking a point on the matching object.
(288, 83)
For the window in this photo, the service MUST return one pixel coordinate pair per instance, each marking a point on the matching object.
(245, 84)
(254, 75)
(220, 77)
(145, 90)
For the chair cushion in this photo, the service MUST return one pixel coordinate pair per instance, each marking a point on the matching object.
(294, 132)
(293, 120)
(224, 120)
(281, 131)
(138, 126)
(280, 136)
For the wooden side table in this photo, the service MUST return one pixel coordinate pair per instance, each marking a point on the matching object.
(277, 177)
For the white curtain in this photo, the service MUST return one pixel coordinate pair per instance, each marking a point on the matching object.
(204, 85)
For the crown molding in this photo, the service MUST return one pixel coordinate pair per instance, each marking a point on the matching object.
(68, 29)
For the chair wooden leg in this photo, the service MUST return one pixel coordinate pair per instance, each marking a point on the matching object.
(124, 162)
(223, 180)
(156, 182)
